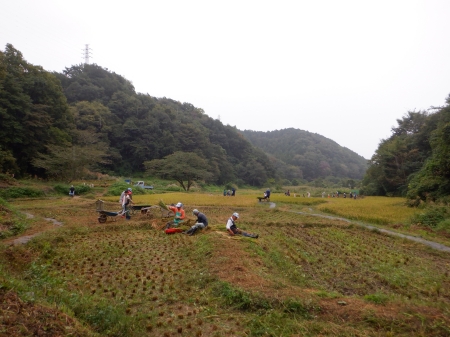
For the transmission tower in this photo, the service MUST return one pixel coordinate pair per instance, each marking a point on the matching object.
(87, 54)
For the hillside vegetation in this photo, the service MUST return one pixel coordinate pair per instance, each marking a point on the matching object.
(310, 155)
(88, 120)
(415, 160)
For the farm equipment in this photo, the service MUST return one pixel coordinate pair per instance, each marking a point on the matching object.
(157, 211)
(138, 209)
(104, 215)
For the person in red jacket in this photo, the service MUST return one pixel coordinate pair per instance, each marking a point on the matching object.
(179, 215)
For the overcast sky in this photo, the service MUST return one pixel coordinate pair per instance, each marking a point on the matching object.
(345, 69)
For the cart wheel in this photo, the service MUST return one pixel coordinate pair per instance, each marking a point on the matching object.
(102, 218)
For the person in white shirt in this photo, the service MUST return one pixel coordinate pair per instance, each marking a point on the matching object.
(233, 230)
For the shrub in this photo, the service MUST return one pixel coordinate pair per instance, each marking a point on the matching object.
(377, 298)
(20, 192)
(79, 190)
(119, 187)
(431, 217)
(444, 225)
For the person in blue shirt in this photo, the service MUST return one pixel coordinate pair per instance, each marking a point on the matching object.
(202, 222)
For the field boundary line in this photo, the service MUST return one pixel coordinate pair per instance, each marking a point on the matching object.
(432, 244)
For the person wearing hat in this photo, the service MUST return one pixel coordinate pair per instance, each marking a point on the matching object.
(121, 199)
(201, 223)
(179, 215)
(233, 230)
(126, 204)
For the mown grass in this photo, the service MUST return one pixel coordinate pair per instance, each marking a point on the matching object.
(304, 276)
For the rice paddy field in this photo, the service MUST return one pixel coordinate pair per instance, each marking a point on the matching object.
(305, 275)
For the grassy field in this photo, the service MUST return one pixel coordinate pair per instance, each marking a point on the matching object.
(303, 276)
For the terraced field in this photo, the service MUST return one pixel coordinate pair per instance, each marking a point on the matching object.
(304, 276)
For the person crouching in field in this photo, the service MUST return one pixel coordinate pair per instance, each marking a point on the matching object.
(233, 230)
(179, 215)
(201, 223)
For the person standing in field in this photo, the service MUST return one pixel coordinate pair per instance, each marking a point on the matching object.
(201, 223)
(72, 191)
(126, 203)
(122, 196)
(233, 230)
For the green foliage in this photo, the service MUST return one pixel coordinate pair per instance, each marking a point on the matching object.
(98, 312)
(414, 161)
(7, 179)
(33, 110)
(377, 298)
(12, 222)
(72, 161)
(118, 187)
(300, 154)
(184, 167)
(431, 217)
(79, 190)
(240, 299)
(444, 225)
(20, 192)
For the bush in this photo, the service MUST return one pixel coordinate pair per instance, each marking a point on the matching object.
(79, 190)
(20, 192)
(444, 226)
(119, 187)
(12, 222)
(377, 298)
(7, 179)
(431, 217)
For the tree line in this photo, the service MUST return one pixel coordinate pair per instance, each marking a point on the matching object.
(66, 125)
(89, 119)
(415, 160)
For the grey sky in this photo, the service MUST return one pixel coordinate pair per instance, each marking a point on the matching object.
(343, 69)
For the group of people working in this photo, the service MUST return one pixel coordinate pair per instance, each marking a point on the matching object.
(202, 221)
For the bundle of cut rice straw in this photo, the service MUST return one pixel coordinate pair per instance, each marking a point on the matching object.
(163, 205)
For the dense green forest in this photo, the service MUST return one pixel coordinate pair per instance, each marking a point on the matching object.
(88, 119)
(302, 154)
(415, 160)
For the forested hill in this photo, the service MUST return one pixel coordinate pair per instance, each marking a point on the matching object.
(88, 118)
(315, 155)
(415, 160)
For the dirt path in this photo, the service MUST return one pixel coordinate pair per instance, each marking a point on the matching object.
(431, 244)
(25, 238)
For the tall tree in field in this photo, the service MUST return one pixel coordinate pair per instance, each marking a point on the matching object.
(183, 167)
